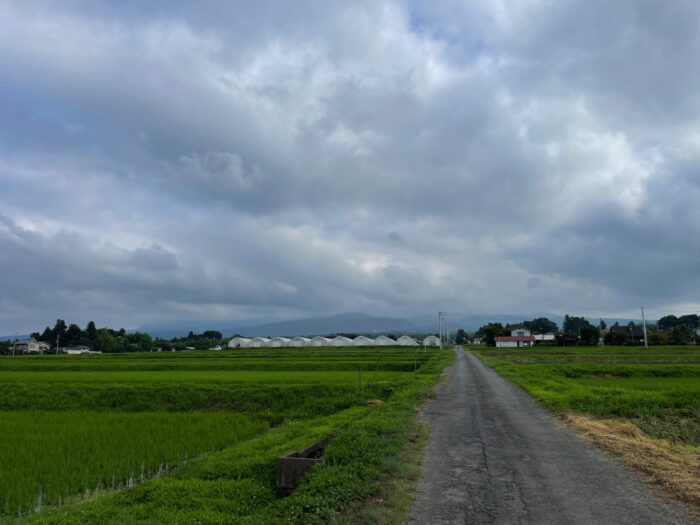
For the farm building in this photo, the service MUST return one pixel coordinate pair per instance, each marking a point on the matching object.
(320, 341)
(520, 337)
(278, 342)
(383, 340)
(405, 340)
(239, 342)
(30, 345)
(341, 341)
(300, 341)
(507, 341)
(259, 342)
(431, 340)
(362, 341)
(543, 338)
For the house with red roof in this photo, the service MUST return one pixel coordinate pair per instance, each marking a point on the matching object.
(520, 337)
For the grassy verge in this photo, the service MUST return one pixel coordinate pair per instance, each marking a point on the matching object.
(391, 502)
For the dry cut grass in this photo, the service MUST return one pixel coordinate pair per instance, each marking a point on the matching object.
(678, 473)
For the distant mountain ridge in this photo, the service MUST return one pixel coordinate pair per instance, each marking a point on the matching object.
(347, 323)
(351, 322)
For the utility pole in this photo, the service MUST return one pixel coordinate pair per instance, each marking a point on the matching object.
(58, 336)
(14, 345)
(440, 328)
(644, 327)
(447, 332)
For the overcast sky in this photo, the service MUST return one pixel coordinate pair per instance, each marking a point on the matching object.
(238, 160)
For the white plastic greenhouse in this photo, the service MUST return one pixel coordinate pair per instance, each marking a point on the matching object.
(259, 342)
(300, 341)
(320, 341)
(278, 342)
(362, 341)
(239, 342)
(431, 340)
(383, 340)
(405, 340)
(341, 341)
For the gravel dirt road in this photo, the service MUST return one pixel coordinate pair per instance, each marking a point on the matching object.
(495, 456)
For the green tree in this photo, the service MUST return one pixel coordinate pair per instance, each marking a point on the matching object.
(59, 329)
(690, 320)
(541, 325)
(590, 335)
(73, 335)
(667, 322)
(106, 342)
(90, 332)
(490, 331)
(212, 334)
(573, 325)
(681, 335)
(461, 338)
(657, 338)
(615, 338)
(47, 336)
(145, 343)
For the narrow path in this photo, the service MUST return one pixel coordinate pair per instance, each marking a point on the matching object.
(495, 456)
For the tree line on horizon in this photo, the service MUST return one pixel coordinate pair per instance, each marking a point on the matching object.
(108, 340)
(667, 330)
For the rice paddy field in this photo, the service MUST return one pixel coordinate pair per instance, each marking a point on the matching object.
(193, 437)
(657, 389)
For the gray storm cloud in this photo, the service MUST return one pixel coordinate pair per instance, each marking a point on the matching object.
(160, 161)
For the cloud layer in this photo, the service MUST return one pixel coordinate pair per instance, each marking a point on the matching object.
(257, 160)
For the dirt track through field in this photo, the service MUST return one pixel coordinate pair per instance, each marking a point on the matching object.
(495, 456)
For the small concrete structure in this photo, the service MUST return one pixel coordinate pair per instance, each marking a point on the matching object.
(362, 341)
(300, 341)
(405, 340)
(320, 341)
(292, 467)
(341, 341)
(383, 340)
(431, 340)
(239, 342)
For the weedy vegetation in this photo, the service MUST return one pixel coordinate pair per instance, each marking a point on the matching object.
(193, 437)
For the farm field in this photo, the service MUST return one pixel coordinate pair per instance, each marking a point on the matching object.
(658, 390)
(193, 437)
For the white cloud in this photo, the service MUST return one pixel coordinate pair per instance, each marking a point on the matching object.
(381, 155)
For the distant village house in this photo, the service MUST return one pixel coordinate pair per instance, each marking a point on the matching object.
(520, 337)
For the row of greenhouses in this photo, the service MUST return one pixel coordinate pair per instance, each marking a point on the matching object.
(281, 342)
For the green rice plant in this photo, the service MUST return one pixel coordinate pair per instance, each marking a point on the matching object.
(49, 458)
(236, 483)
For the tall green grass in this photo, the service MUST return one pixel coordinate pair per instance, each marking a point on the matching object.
(48, 458)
